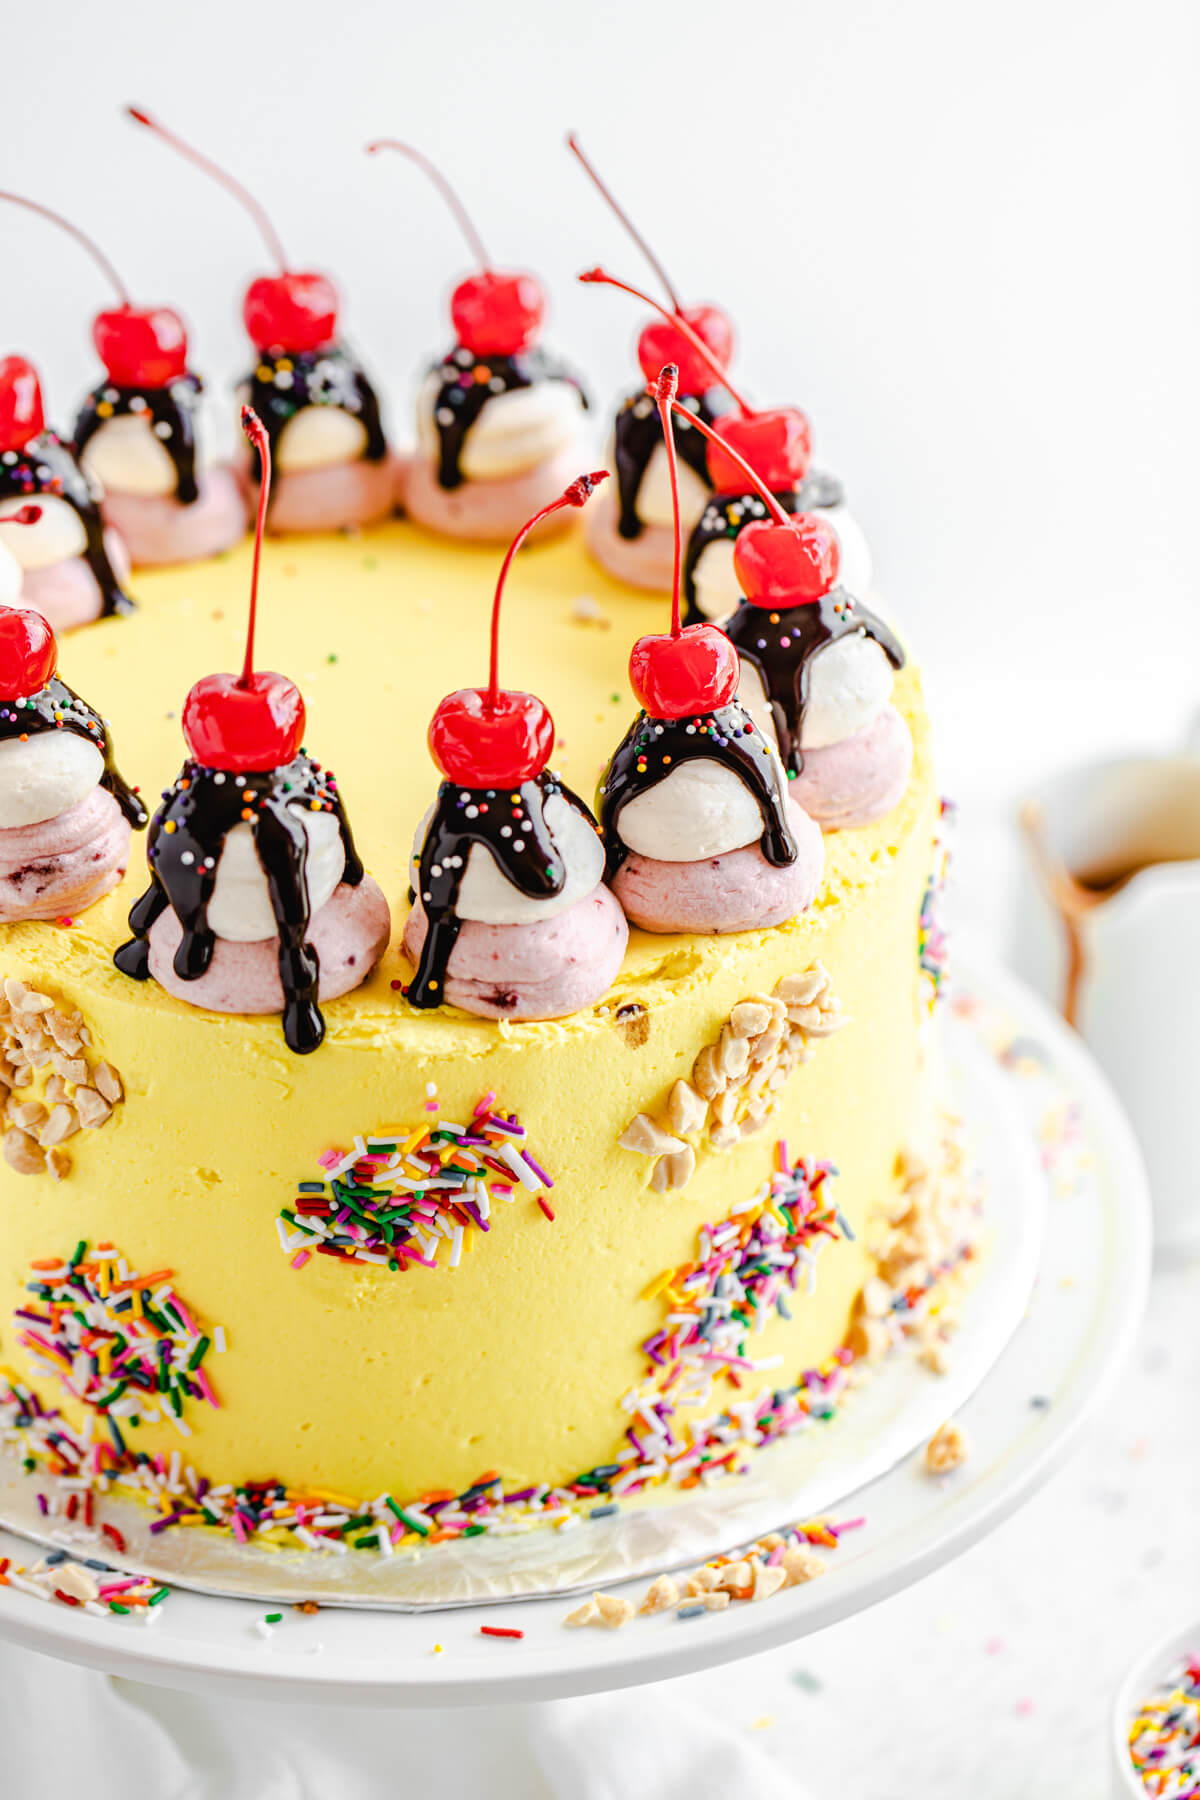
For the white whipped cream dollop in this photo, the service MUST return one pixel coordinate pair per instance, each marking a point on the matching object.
(45, 776)
(126, 456)
(654, 495)
(240, 907)
(10, 574)
(320, 437)
(718, 589)
(701, 809)
(487, 895)
(57, 535)
(850, 682)
(515, 431)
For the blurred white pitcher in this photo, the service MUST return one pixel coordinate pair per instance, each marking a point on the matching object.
(1116, 846)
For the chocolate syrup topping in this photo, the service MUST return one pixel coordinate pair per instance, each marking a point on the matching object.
(637, 435)
(283, 385)
(781, 644)
(468, 382)
(511, 825)
(652, 749)
(725, 515)
(187, 837)
(169, 412)
(56, 707)
(47, 465)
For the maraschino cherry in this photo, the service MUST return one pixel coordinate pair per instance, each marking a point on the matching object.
(290, 313)
(254, 720)
(496, 737)
(22, 416)
(674, 340)
(28, 649)
(498, 312)
(140, 346)
(790, 559)
(776, 440)
(695, 669)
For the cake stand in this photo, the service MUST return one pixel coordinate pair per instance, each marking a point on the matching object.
(1027, 1075)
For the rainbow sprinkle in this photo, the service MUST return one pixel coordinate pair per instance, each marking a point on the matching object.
(88, 1583)
(932, 948)
(122, 1343)
(1164, 1736)
(399, 1198)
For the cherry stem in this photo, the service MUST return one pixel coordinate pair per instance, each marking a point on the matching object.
(714, 437)
(681, 325)
(256, 431)
(666, 388)
(466, 222)
(626, 221)
(94, 251)
(578, 493)
(270, 236)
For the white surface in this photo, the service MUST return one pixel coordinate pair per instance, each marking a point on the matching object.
(1080, 1322)
(810, 1475)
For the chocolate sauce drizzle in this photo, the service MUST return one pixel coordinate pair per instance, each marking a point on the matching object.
(170, 413)
(56, 707)
(637, 434)
(511, 825)
(283, 384)
(652, 749)
(47, 465)
(781, 644)
(468, 382)
(187, 837)
(726, 514)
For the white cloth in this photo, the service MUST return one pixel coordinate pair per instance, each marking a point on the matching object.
(67, 1730)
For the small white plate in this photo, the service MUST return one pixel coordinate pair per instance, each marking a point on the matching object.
(1090, 1293)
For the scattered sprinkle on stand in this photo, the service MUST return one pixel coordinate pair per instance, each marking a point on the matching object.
(400, 1199)
(500, 1631)
(91, 1585)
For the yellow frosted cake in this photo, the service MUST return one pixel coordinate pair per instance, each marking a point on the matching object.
(511, 1349)
(493, 1161)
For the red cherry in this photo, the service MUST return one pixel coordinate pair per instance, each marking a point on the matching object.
(141, 346)
(496, 737)
(28, 653)
(292, 312)
(681, 677)
(496, 314)
(787, 565)
(229, 724)
(21, 415)
(479, 744)
(254, 720)
(776, 443)
(661, 343)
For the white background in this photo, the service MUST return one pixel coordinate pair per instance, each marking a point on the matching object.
(965, 239)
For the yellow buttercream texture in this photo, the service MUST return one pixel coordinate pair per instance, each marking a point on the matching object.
(351, 1378)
